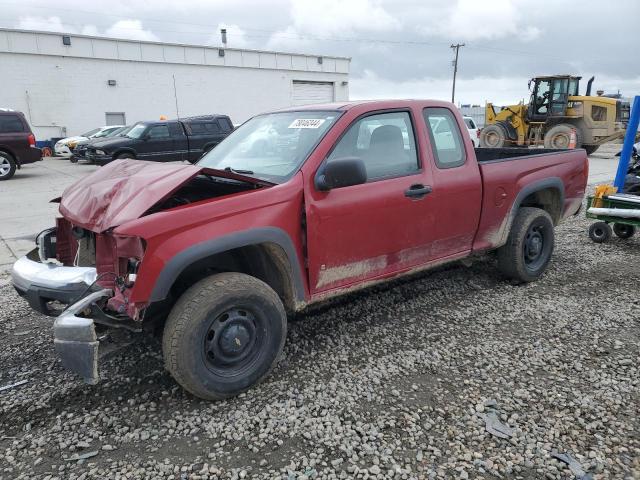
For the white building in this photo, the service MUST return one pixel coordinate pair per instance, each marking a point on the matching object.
(68, 84)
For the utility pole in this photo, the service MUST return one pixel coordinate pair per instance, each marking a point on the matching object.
(456, 47)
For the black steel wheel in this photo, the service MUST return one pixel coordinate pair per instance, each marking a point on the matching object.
(600, 232)
(223, 335)
(232, 341)
(624, 231)
(529, 247)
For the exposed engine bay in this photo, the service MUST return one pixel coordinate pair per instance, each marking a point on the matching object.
(201, 187)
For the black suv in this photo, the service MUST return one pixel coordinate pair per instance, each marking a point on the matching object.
(17, 143)
(167, 140)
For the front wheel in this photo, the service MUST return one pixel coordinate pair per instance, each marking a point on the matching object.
(493, 136)
(600, 232)
(224, 335)
(528, 250)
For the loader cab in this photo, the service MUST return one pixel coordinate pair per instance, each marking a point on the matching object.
(550, 96)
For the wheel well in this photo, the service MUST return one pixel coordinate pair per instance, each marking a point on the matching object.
(120, 152)
(547, 199)
(8, 152)
(266, 261)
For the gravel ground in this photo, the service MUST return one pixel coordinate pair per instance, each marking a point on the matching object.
(393, 382)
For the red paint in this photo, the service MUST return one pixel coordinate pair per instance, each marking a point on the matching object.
(353, 235)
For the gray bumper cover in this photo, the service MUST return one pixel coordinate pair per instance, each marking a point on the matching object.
(75, 338)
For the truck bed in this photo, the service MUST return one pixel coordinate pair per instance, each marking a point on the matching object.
(485, 155)
(509, 183)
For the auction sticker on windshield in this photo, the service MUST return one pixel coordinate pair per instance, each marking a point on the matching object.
(307, 123)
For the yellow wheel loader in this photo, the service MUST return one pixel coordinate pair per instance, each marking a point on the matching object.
(554, 112)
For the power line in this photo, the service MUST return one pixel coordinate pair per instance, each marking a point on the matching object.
(274, 33)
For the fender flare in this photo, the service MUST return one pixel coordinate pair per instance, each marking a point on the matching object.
(552, 182)
(176, 265)
(511, 132)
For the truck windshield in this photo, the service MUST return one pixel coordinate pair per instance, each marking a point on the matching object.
(136, 131)
(271, 146)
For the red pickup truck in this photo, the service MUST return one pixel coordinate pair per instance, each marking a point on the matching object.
(295, 206)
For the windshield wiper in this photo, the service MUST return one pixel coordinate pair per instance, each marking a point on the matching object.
(241, 172)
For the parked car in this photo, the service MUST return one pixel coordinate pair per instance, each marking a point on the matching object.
(166, 141)
(219, 252)
(64, 147)
(474, 131)
(17, 143)
(80, 150)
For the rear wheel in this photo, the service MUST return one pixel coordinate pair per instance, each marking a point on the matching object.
(7, 166)
(600, 232)
(224, 335)
(528, 250)
(623, 230)
(493, 136)
(559, 136)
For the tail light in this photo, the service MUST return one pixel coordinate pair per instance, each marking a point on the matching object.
(32, 140)
(478, 133)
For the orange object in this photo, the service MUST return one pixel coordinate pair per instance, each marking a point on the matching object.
(163, 117)
(572, 139)
(602, 191)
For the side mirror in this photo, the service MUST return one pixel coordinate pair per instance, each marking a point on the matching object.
(341, 172)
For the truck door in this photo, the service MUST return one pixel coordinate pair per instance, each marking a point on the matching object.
(156, 144)
(457, 191)
(385, 225)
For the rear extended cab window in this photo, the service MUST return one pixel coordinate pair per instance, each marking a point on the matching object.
(11, 124)
(445, 138)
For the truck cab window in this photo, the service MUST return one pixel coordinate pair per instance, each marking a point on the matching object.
(159, 131)
(446, 141)
(384, 142)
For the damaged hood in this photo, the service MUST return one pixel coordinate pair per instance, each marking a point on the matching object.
(124, 190)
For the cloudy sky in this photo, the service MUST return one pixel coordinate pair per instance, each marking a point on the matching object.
(399, 48)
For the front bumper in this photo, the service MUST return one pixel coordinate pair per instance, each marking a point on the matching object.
(41, 283)
(62, 150)
(75, 338)
(98, 159)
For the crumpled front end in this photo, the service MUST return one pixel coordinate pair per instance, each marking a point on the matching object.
(85, 278)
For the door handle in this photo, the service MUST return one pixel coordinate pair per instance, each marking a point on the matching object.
(417, 191)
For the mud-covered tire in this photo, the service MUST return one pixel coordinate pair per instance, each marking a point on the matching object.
(624, 231)
(559, 136)
(529, 247)
(600, 232)
(7, 166)
(493, 136)
(224, 335)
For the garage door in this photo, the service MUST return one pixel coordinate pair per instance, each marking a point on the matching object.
(305, 93)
